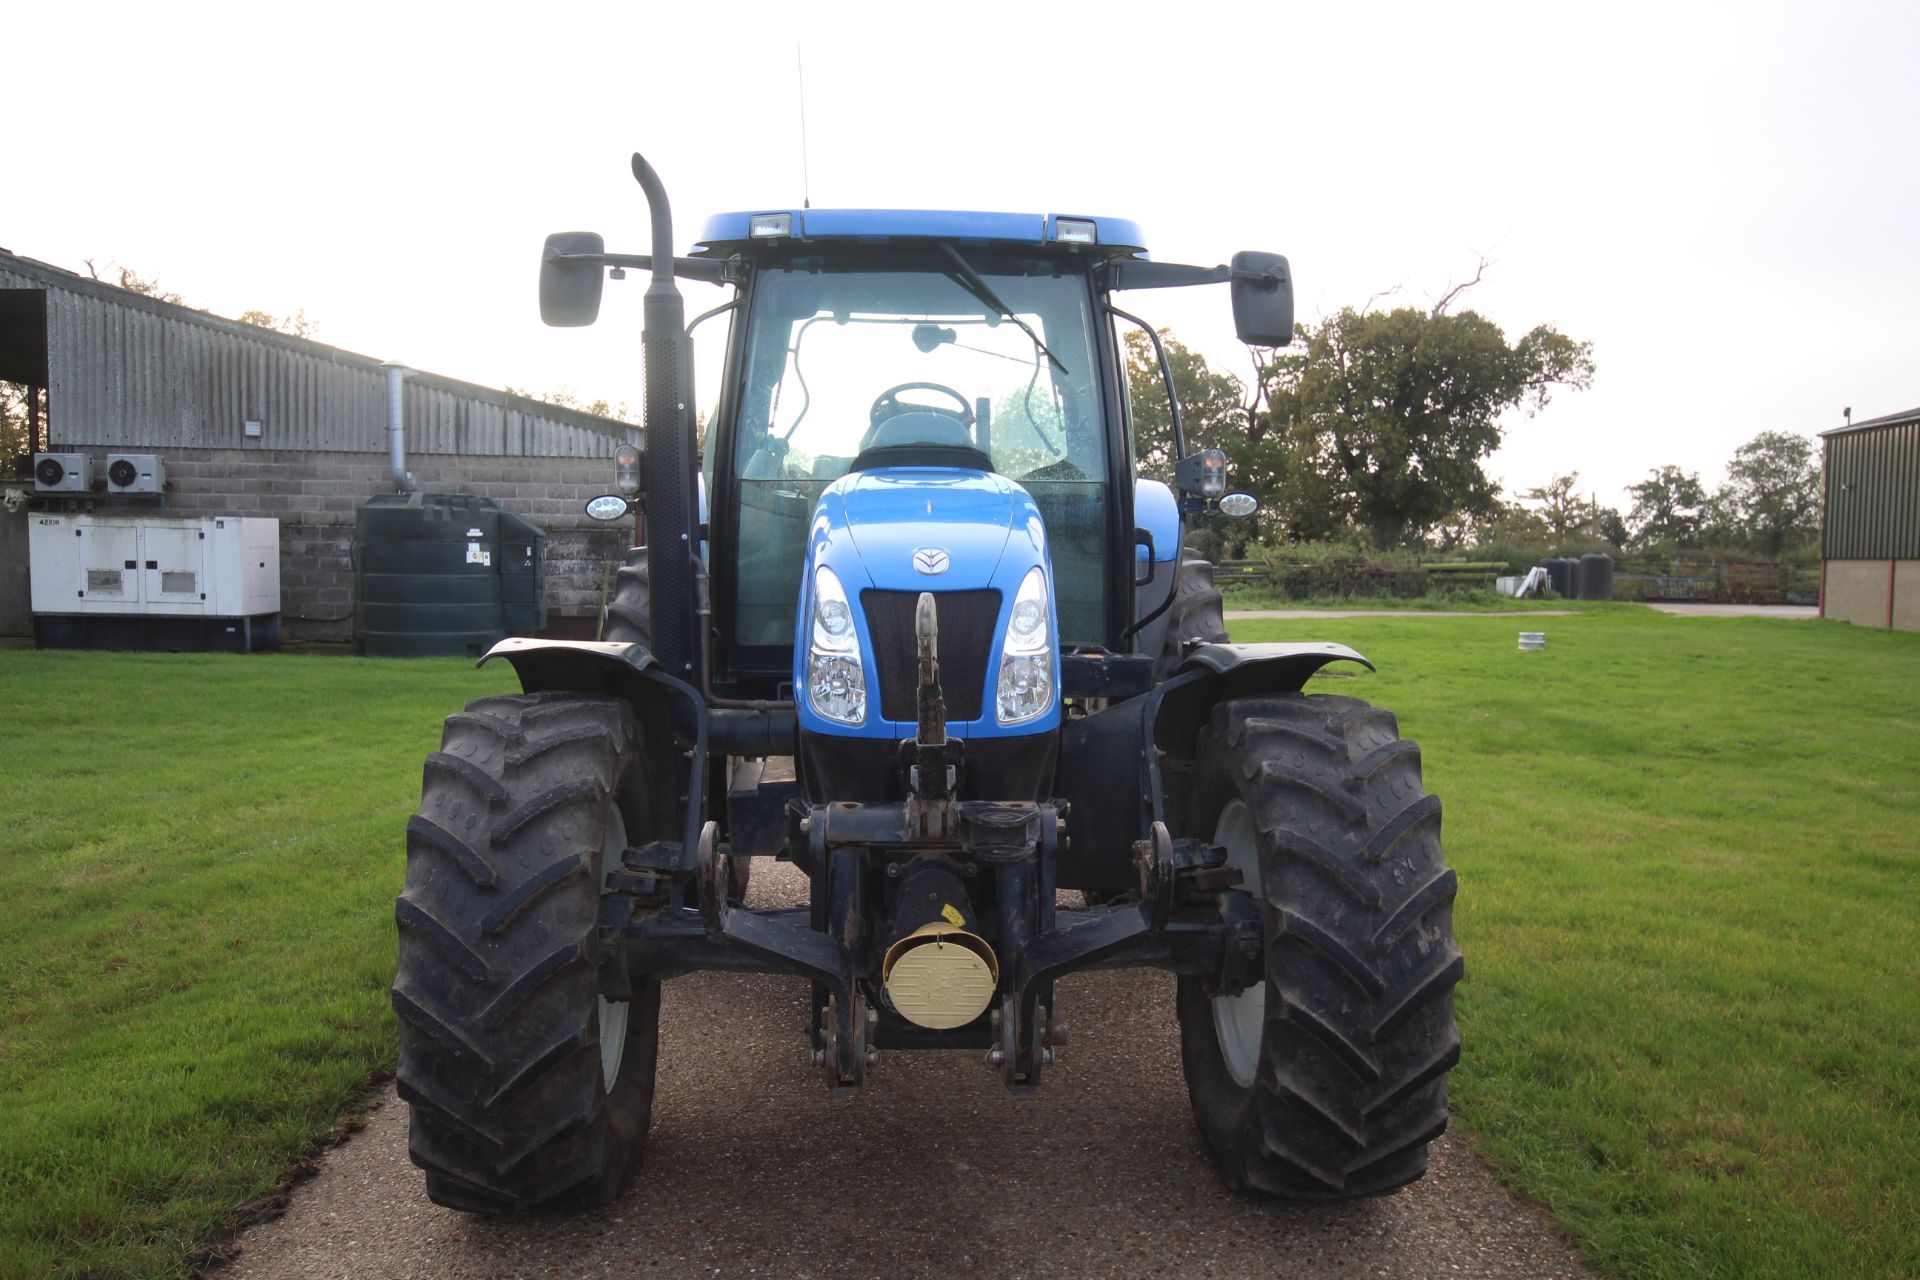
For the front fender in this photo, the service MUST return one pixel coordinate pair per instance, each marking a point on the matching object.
(1102, 753)
(581, 666)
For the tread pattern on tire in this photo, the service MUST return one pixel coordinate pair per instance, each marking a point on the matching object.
(497, 988)
(630, 610)
(1361, 962)
(1197, 612)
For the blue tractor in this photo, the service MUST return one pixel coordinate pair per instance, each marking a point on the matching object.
(908, 619)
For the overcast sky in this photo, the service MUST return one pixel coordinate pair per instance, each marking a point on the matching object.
(1720, 198)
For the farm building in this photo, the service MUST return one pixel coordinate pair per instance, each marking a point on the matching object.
(1870, 533)
(249, 422)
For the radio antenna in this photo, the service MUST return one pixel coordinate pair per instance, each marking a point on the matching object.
(806, 175)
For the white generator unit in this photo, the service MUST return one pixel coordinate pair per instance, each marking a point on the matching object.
(135, 473)
(62, 473)
(105, 581)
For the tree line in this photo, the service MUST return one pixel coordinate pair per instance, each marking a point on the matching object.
(1375, 427)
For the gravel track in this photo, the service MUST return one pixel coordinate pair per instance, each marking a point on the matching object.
(754, 1169)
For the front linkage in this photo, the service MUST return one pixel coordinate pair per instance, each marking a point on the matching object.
(924, 957)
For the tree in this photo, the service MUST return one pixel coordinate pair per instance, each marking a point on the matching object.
(1606, 524)
(1773, 483)
(16, 417)
(1213, 415)
(1564, 516)
(296, 325)
(1392, 414)
(600, 408)
(1667, 507)
(133, 282)
(1558, 506)
(1212, 410)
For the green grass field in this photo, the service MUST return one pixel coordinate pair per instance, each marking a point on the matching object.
(1689, 853)
(197, 872)
(1689, 860)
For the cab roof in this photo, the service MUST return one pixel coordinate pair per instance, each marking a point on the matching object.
(1105, 237)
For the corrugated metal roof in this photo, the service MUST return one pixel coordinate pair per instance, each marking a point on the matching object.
(126, 370)
(1872, 482)
(1889, 420)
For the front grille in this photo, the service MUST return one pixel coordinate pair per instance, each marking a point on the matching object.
(966, 639)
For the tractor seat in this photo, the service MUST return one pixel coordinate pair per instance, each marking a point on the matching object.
(920, 428)
(921, 440)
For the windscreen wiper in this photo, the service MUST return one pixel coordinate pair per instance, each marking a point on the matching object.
(975, 284)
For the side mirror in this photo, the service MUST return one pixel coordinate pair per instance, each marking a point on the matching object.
(1262, 299)
(570, 291)
(609, 506)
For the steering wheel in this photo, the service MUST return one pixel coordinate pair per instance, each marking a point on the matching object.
(887, 405)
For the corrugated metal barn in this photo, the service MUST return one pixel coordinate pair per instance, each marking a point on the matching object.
(252, 422)
(1870, 532)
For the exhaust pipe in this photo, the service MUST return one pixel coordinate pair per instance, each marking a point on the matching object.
(397, 375)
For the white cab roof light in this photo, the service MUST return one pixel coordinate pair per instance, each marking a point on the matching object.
(1075, 231)
(766, 225)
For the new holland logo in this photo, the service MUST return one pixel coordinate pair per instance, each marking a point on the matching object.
(930, 560)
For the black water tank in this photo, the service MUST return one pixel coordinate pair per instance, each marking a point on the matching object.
(1563, 575)
(443, 574)
(1556, 567)
(1596, 576)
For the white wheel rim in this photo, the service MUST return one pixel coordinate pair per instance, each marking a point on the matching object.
(613, 1013)
(1239, 1021)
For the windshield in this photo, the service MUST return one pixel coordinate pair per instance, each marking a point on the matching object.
(836, 355)
(846, 360)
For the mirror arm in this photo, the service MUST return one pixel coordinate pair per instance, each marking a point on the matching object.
(1166, 376)
(1138, 274)
(706, 270)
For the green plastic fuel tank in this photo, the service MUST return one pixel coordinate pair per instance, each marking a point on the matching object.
(443, 574)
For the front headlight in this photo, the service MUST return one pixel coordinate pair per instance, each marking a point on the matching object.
(836, 680)
(1026, 655)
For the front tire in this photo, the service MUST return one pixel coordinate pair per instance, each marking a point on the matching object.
(629, 618)
(1327, 1080)
(528, 1089)
(1196, 614)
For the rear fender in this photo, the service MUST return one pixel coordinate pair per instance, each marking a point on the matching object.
(1099, 750)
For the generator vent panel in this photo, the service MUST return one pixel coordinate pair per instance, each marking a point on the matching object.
(179, 566)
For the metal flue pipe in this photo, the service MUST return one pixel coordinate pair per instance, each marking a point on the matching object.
(397, 375)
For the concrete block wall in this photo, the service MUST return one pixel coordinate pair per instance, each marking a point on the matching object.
(1872, 593)
(314, 495)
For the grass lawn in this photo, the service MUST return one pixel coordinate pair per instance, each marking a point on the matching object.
(1689, 860)
(1689, 854)
(197, 872)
